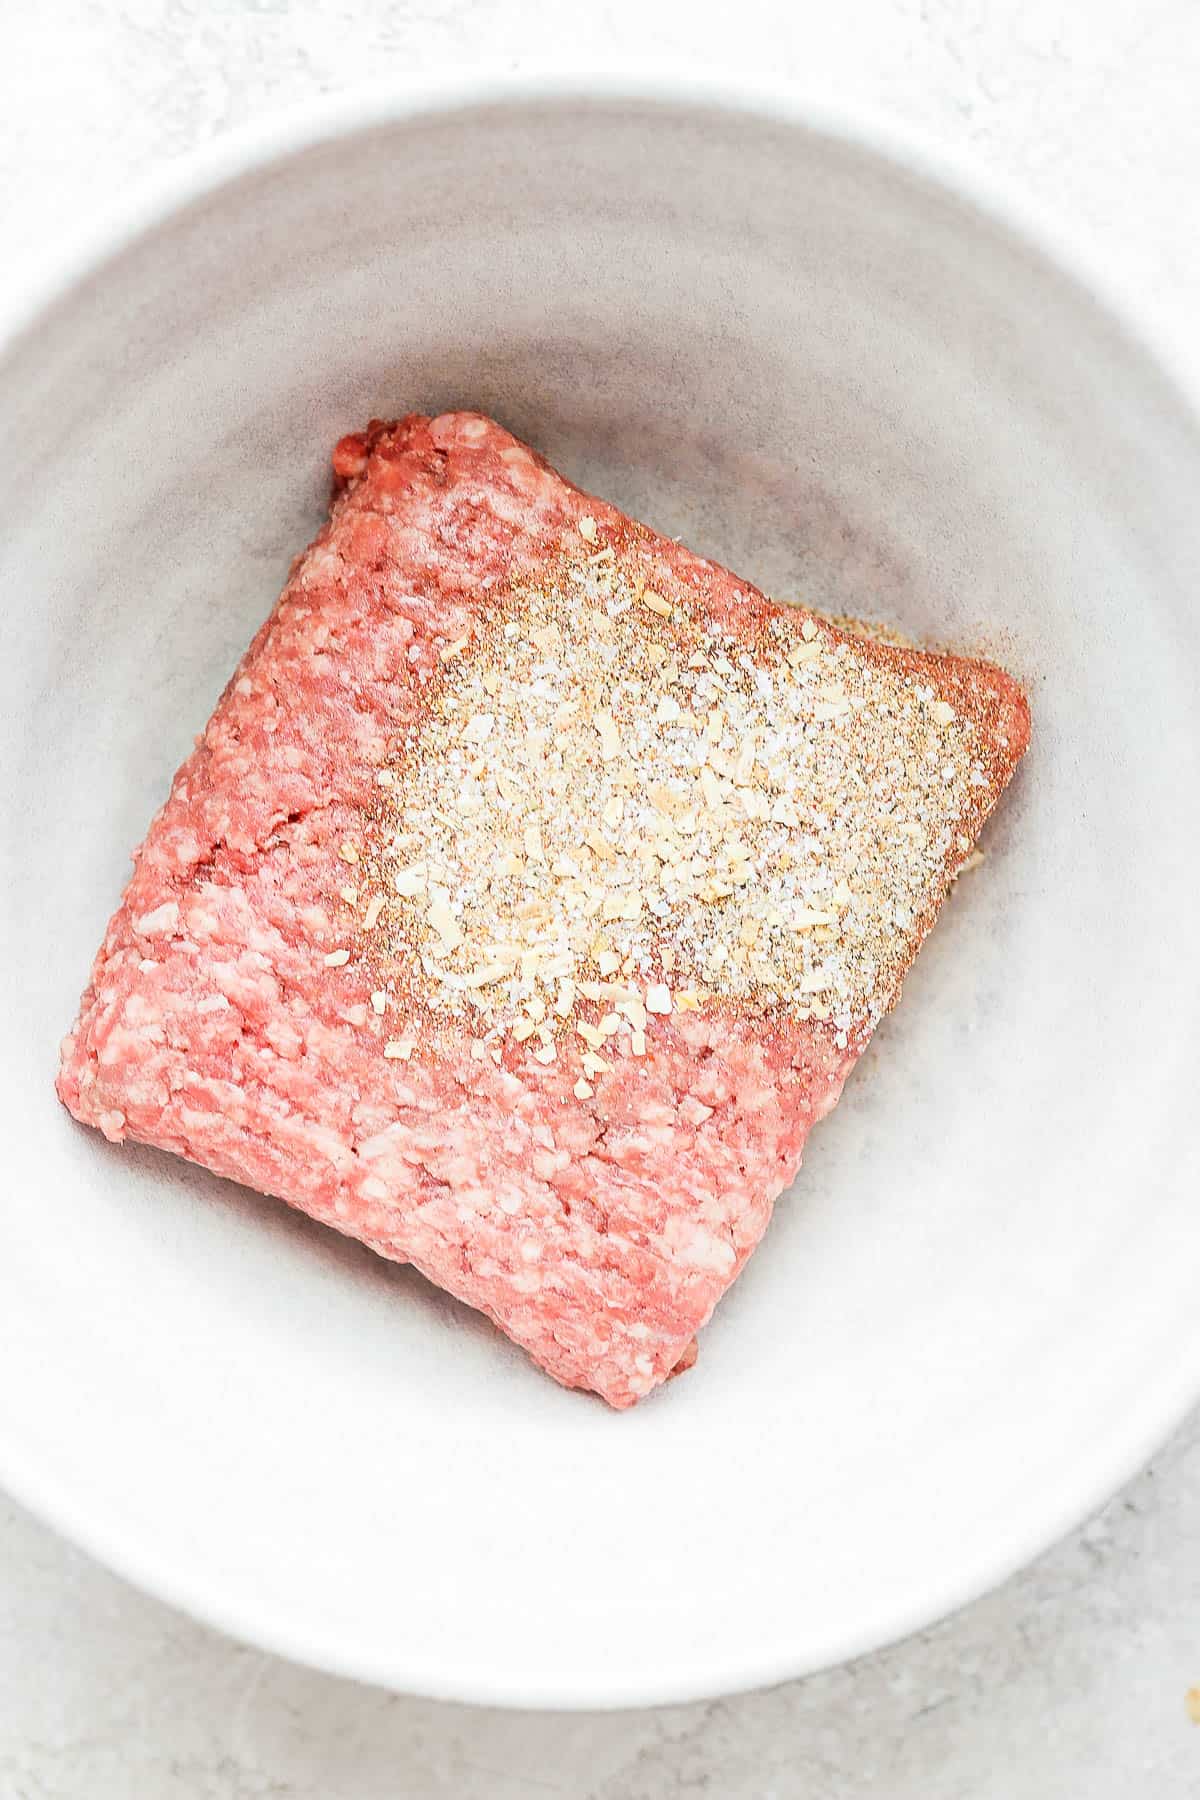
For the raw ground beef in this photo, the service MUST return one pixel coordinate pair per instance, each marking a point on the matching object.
(596, 1217)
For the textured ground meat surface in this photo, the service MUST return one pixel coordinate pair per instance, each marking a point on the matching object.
(597, 1233)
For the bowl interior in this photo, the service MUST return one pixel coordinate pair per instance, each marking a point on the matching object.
(976, 1309)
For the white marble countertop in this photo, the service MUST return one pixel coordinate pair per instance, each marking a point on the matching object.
(1072, 1679)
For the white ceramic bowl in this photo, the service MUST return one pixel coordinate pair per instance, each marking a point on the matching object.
(825, 362)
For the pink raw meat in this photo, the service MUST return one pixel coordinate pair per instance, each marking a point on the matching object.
(224, 1019)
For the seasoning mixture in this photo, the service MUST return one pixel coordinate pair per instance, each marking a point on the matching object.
(612, 810)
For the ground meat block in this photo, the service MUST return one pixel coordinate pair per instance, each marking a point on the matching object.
(531, 893)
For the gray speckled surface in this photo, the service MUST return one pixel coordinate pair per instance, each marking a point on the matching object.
(1070, 1680)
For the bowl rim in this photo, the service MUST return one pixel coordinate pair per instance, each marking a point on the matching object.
(308, 124)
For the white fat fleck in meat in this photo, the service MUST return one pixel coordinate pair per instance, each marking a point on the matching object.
(160, 921)
(689, 1243)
